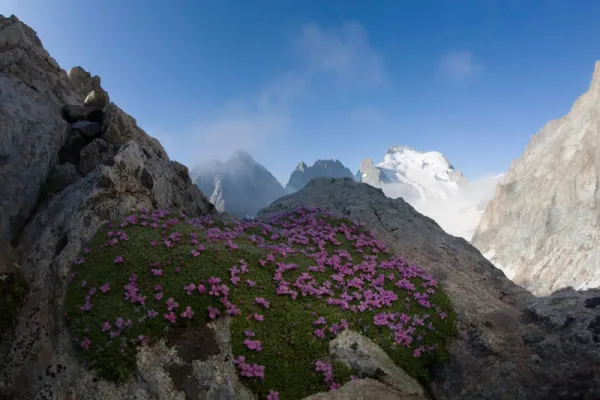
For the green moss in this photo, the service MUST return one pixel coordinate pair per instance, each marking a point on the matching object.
(13, 291)
(289, 345)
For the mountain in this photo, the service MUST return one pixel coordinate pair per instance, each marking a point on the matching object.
(239, 186)
(425, 175)
(432, 185)
(542, 228)
(321, 168)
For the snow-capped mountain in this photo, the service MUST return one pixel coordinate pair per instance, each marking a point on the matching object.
(427, 175)
(239, 186)
(433, 186)
(321, 168)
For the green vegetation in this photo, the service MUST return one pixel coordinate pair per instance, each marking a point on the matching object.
(290, 286)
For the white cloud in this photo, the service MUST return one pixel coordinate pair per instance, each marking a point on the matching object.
(235, 126)
(458, 215)
(253, 123)
(459, 64)
(345, 51)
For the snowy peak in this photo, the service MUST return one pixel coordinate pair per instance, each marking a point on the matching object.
(321, 168)
(426, 174)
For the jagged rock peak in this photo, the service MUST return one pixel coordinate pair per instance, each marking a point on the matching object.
(23, 57)
(301, 166)
(320, 168)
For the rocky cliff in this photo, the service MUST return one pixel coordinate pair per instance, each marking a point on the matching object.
(52, 206)
(543, 226)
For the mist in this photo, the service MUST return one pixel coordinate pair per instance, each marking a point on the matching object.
(459, 214)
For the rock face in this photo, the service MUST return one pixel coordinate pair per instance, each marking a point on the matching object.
(320, 169)
(510, 344)
(246, 186)
(50, 210)
(543, 226)
(217, 196)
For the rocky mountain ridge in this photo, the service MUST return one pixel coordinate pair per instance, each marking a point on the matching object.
(320, 168)
(542, 228)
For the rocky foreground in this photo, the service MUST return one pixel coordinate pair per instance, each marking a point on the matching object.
(70, 160)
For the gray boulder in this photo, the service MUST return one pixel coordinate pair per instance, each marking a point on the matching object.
(97, 98)
(94, 154)
(74, 113)
(83, 81)
(369, 360)
(364, 389)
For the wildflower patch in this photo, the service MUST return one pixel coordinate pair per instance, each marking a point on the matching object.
(290, 286)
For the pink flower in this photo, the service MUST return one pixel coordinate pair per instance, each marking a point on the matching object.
(171, 304)
(273, 395)
(157, 271)
(250, 283)
(213, 312)
(319, 333)
(249, 333)
(320, 321)
(262, 302)
(188, 313)
(158, 295)
(253, 344)
(105, 287)
(85, 343)
(195, 253)
(258, 317)
(119, 259)
(190, 288)
(106, 326)
(171, 317)
(152, 313)
(143, 340)
(334, 386)
(201, 288)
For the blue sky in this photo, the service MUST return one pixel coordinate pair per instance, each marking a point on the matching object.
(303, 80)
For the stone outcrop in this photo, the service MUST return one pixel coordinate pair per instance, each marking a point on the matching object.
(49, 210)
(543, 226)
(510, 345)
